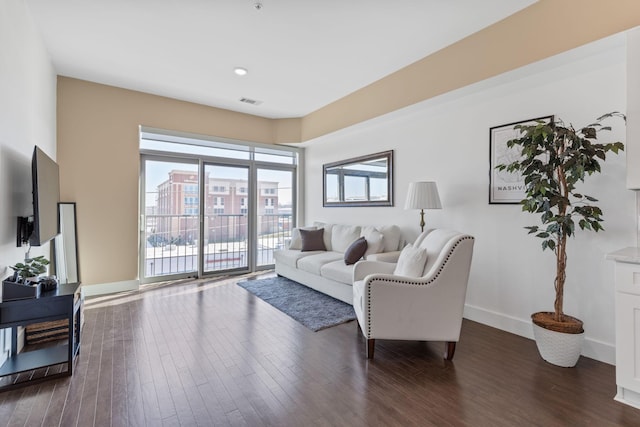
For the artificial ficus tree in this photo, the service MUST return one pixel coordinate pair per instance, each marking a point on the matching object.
(555, 159)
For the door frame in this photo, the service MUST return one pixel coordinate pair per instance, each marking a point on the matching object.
(143, 218)
(250, 221)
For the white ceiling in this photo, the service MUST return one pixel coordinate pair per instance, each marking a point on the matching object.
(301, 55)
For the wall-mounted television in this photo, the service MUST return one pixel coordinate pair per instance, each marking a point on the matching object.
(45, 179)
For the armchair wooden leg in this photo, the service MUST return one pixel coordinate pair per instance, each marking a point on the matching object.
(450, 350)
(371, 343)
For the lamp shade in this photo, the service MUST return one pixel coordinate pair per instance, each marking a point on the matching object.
(423, 195)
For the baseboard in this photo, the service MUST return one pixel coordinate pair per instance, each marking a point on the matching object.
(591, 348)
(110, 288)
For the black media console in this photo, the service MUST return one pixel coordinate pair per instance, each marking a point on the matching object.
(61, 303)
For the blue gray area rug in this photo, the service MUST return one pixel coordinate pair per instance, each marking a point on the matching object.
(313, 309)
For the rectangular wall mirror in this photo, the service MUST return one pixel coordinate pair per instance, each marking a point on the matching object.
(361, 181)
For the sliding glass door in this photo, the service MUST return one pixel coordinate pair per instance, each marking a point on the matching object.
(226, 213)
(211, 207)
(170, 222)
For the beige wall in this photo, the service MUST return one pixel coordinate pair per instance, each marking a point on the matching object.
(98, 154)
(98, 125)
(546, 28)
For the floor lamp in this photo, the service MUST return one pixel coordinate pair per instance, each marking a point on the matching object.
(423, 195)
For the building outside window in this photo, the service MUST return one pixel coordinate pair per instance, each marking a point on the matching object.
(235, 202)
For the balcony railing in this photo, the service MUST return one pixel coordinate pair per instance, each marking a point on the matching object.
(274, 230)
(172, 247)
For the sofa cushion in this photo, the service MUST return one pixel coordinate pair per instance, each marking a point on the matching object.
(338, 271)
(392, 236)
(434, 242)
(375, 240)
(313, 263)
(342, 236)
(411, 262)
(312, 240)
(365, 230)
(296, 239)
(328, 228)
(290, 257)
(355, 251)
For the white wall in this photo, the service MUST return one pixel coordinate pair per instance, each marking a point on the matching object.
(447, 140)
(27, 118)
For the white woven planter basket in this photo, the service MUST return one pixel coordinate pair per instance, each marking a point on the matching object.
(558, 348)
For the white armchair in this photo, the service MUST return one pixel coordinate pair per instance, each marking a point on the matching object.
(426, 308)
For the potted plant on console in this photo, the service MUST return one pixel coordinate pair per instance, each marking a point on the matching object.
(24, 283)
(554, 159)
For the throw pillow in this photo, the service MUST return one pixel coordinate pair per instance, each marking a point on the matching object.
(411, 262)
(296, 240)
(355, 251)
(327, 233)
(392, 236)
(375, 242)
(312, 240)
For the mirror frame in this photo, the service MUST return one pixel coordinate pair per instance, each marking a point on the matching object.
(386, 155)
(66, 244)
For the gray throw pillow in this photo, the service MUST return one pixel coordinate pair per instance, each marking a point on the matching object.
(296, 240)
(355, 251)
(312, 240)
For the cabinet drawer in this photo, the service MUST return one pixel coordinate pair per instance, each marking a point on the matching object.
(628, 278)
(17, 312)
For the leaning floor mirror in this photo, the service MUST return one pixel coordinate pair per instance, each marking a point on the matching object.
(66, 245)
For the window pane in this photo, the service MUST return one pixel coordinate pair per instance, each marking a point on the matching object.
(275, 202)
(378, 189)
(226, 226)
(355, 188)
(332, 188)
(173, 147)
(272, 158)
(171, 212)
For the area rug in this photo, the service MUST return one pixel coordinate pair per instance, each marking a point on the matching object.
(313, 309)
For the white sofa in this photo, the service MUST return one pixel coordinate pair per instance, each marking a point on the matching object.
(326, 271)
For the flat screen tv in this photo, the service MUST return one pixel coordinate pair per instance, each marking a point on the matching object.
(43, 226)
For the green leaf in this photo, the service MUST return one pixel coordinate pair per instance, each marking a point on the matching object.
(532, 229)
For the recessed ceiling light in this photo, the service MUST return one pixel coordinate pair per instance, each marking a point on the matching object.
(240, 71)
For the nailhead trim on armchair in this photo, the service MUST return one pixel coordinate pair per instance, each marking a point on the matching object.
(415, 283)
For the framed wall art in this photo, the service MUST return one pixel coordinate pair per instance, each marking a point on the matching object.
(506, 187)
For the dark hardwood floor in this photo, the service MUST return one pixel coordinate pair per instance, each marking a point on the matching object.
(209, 353)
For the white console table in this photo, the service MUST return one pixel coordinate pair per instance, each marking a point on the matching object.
(627, 281)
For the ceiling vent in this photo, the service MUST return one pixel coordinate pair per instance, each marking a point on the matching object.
(250, 101)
